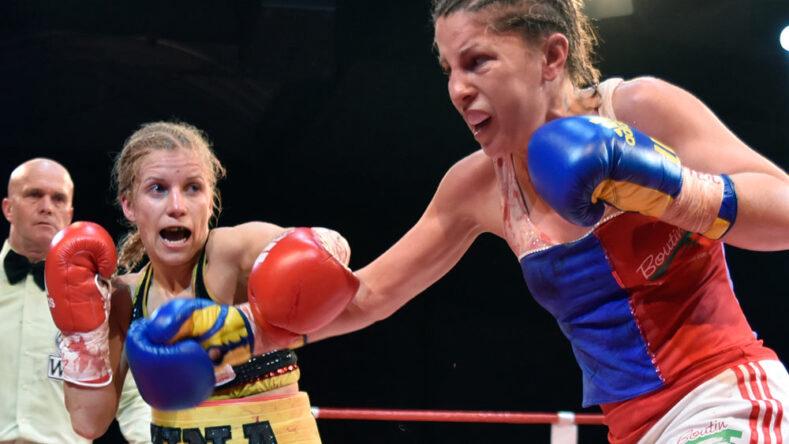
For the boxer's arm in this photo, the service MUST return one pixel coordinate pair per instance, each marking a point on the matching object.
(80, 263)
(423, 255)
(704, 144)
(92, 409)
(237, 247)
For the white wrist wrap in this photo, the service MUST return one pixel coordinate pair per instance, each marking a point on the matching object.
(334, 243)
(696, 207)
(85, 356)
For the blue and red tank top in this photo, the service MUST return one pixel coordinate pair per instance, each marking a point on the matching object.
(648, 308)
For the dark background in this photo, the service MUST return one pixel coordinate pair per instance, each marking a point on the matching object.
(335, 113)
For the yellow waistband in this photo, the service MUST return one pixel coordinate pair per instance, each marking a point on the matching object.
(260, 386)
(287, 418)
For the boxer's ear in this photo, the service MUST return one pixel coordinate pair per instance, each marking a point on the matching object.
(555, 49)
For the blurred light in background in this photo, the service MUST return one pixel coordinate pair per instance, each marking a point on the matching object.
(784, 39)
(600, 9)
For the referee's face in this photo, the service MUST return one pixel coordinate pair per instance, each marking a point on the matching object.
(39, 204)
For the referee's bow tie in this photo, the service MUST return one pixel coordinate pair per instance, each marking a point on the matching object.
(17, 267)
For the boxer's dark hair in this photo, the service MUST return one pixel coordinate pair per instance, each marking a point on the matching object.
(534, 20)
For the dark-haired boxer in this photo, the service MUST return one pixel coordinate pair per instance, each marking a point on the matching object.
(619, 236)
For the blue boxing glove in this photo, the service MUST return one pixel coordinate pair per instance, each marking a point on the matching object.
(579, 163)
(175, 355)
(169, 376)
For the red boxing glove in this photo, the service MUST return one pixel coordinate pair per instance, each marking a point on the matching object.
(301, 281)
(80, 261)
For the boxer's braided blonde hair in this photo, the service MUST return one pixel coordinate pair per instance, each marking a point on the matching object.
(125, 172)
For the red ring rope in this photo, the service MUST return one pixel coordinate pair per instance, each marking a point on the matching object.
(458, 416)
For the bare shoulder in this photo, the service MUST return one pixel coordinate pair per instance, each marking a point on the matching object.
(681, 120)
(469, 178)
(121, 304)
(475, 165)
(467, 193)
(240, 244)
(123, 283)
(236, 236)
(651, 104)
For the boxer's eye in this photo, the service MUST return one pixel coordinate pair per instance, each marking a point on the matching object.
(194, 187)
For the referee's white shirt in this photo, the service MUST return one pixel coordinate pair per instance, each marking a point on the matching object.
(32, 409)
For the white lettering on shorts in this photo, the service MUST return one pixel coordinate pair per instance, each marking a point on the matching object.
(716, 432)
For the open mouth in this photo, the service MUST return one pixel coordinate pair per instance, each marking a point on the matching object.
(477, 120)
(480, 126)
(175, 234)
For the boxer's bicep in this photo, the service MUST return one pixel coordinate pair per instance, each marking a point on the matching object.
(682, 121)
(704, 143)
(241, 244)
